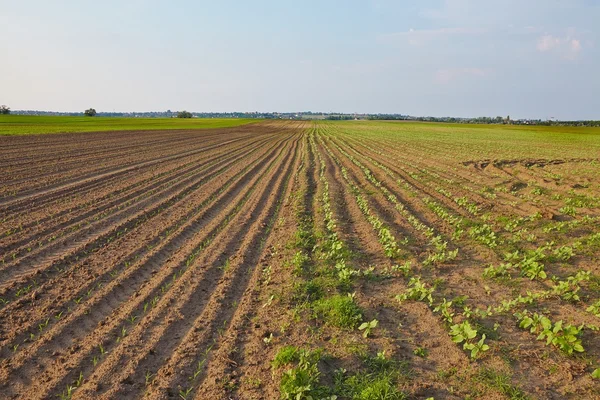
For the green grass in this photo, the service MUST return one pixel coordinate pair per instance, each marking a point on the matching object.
(286, 355)
(29, 125)
(339, 311)
(502, 382)
(463, 142)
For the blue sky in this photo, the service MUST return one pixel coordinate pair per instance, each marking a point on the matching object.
(524, 58)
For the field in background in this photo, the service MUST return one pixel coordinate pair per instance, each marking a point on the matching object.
(27, 125)
(288, 259)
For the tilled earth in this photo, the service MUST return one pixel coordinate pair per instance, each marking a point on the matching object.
(165, 264)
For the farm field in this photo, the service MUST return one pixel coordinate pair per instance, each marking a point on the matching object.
(33, 124)
(301, 260)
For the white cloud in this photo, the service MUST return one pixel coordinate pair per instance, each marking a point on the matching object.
(575, 45)
(566, 46)
(547, 43)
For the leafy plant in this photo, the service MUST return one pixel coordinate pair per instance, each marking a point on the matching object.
(479, 347)
(564, 253)
(594, 308)
(485, 235)
(568, 210)
(445, 309)
(416, 291)
(464, 333)
(533, 269)
(566, 337)
(404, 268)
(501, 270)
(367, 326)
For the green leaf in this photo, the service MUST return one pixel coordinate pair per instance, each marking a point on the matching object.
(474, 352)
(471, 333)
(458, 338)
(480, 343)
(557, 327)
(546, 323)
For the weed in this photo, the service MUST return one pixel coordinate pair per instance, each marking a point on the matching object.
(502, 383)
(286, 355)
(379, 381)
(339, 311)
(421, 352)
(185, 393)
(268, 339)
(302, 381)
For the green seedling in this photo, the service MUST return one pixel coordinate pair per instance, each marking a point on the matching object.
(367, 327)
(416, 291)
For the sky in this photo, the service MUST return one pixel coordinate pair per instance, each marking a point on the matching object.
(467, 58)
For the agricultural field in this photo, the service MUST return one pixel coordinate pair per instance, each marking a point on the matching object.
(301, 260)
(33, 124)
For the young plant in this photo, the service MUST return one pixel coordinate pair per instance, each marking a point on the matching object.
(416, 291)
(495, 272)
(479, 347)
(594, 308)
(465, 334)
(566, 337)
(462, 332)
(445, 309)
(367, 326)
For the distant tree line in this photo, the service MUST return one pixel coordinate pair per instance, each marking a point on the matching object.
(304, 115)
(184, 114)
(4, 110)
(501, 120)
(390, 117)
(342, 117)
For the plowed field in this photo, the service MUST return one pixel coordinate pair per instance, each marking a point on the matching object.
(301, 260)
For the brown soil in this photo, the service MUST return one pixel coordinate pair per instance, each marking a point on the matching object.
(158, 264)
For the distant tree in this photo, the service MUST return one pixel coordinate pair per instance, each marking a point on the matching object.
(4, 110)
(89, 112)
(184, 114)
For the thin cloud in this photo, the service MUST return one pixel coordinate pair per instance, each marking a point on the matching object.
(547, 43)
(567, 46)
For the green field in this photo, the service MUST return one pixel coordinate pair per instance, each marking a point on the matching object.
(480, 141)
(29, 125)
